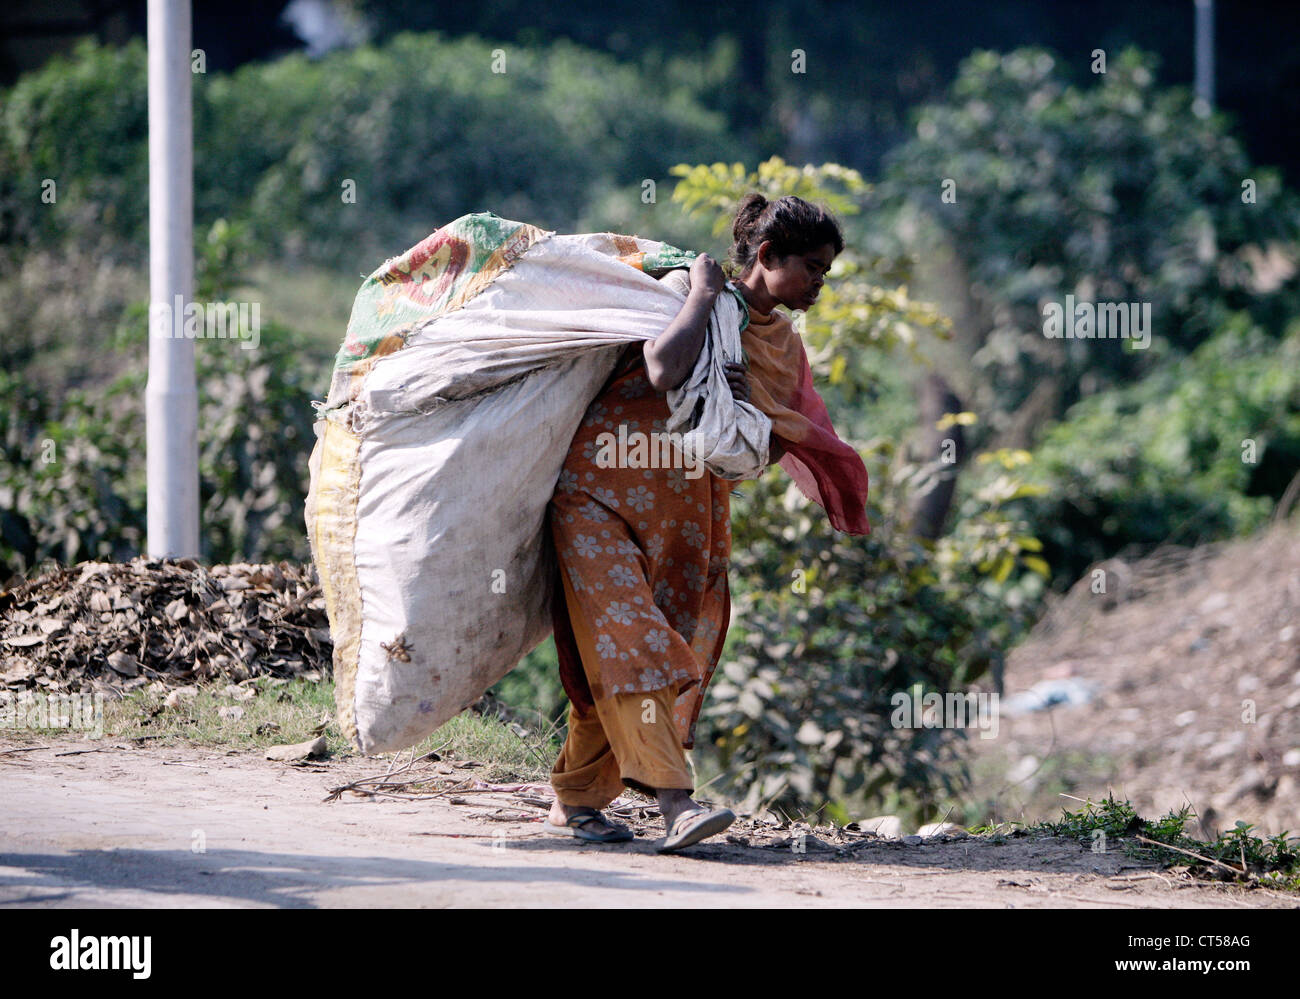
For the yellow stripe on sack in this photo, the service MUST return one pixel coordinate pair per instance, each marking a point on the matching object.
(334, 537)
(502, 258)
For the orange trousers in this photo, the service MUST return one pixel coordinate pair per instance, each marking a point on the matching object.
(627, 740)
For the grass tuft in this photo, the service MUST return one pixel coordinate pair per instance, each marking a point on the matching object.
(1235, 856)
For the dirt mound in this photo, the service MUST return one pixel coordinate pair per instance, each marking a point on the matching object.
(1179, 683)
(104, 624)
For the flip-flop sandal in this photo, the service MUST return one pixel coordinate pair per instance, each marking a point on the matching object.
(695, 826)
(614, 832)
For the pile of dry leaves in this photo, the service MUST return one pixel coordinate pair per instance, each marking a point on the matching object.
(120, 625)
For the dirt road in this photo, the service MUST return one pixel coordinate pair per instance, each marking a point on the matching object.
(124, 826)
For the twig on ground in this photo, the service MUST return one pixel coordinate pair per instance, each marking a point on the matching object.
(1209, 860)
(382, 782)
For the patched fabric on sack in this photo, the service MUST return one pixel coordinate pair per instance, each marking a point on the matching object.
(468, 364)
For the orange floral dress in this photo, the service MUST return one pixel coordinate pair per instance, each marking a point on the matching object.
(646, 552)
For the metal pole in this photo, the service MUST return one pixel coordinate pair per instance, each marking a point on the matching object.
(1205, 52)
(171, 403)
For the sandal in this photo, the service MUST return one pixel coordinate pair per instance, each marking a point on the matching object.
(691, 827)
(614, 832)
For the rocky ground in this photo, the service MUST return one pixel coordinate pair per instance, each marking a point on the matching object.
(1192, 658)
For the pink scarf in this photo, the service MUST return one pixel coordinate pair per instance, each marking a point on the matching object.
(826, 469)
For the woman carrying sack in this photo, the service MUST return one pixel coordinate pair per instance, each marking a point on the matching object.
(642, 601)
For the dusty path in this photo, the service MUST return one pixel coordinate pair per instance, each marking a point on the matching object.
(123, 826)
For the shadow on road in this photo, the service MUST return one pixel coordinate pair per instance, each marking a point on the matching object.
(285, 880)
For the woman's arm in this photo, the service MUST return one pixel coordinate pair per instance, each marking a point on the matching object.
(774, 449)
(670, 357)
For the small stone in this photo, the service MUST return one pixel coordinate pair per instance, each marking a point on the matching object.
(181, 695)
(298, 751)
(941, 829)
(913, 840)
(237, 693)
(883, 825)
(1225, 747)
(1215, 601)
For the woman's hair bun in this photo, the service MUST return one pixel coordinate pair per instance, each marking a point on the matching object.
(747, 212)
(791, 224)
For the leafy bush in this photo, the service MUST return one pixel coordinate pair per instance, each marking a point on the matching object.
(81, 121)
(72, 480)
(423, 127)
(1167, 459)
(1114, 192)
(72, 476)
(828, 629)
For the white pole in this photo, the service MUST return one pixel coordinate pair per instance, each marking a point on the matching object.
(1205, 53)
(171, 404)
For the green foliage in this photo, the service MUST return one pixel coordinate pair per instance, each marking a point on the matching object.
(992, 532)
(827, 630)
(1167, 459)
(1115, 192)
(712, 188)
(533, 689)
(81, 121)
(827, 627)
(72, 481)
(423, 127)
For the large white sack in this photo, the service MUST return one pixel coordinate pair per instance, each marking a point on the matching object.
(469, 363)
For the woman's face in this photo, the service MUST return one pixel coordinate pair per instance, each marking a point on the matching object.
(796, 280)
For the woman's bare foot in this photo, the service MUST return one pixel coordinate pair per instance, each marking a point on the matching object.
(560, 815)
(698, 822)
(674, 802)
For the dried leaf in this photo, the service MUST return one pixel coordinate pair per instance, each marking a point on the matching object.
(24, 641)
(124, 663)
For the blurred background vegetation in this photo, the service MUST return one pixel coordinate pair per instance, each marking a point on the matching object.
(1108, 186)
